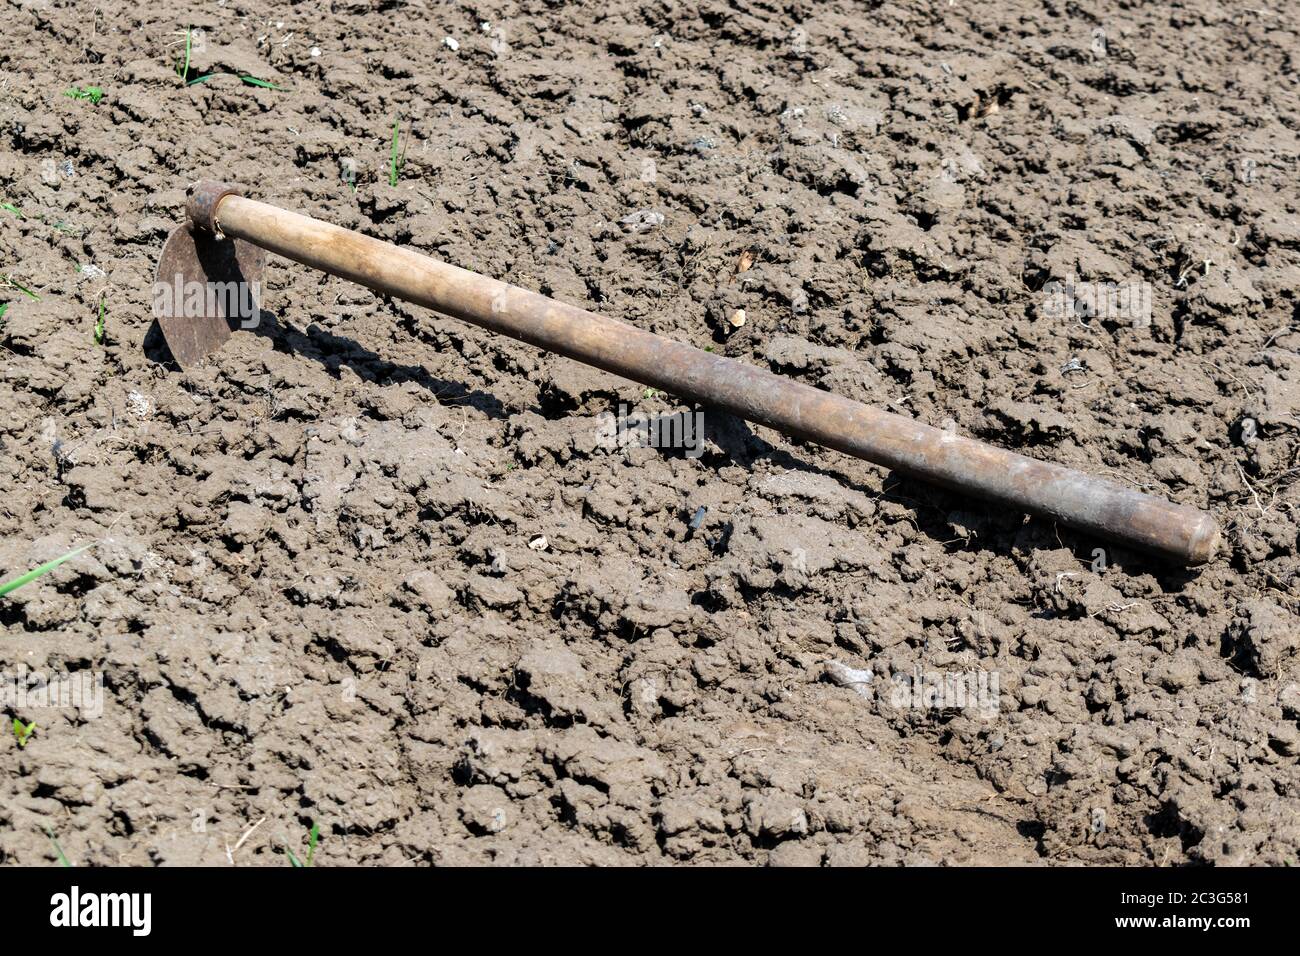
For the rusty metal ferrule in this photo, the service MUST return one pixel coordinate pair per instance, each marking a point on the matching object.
(202, 201)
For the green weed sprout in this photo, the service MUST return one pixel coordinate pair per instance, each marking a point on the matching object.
(312, 838)
(92, 93)
(101, 321)
(396, 158)
(49, 831)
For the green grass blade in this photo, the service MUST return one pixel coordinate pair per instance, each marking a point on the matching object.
(35, 573)
(311, 843)
(184, 71)
(102, 322)
(393, 166)
(9, 281)
(10, 207)
(201, 79)
(49, 831)
(293, 860)
(254, 81)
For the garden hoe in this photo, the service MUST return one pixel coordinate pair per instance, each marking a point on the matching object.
(228, 236)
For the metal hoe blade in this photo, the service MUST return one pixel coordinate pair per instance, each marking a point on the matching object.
(205, 285)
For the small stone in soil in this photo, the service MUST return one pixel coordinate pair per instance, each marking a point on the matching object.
(642, 220)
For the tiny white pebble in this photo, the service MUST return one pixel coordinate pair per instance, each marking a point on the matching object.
(451, 43)
(737, 318)
(485, 26)
(539, 543)
(138, 405)
(314, 51)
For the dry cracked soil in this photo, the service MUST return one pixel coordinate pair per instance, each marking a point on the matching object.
(373, 568)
